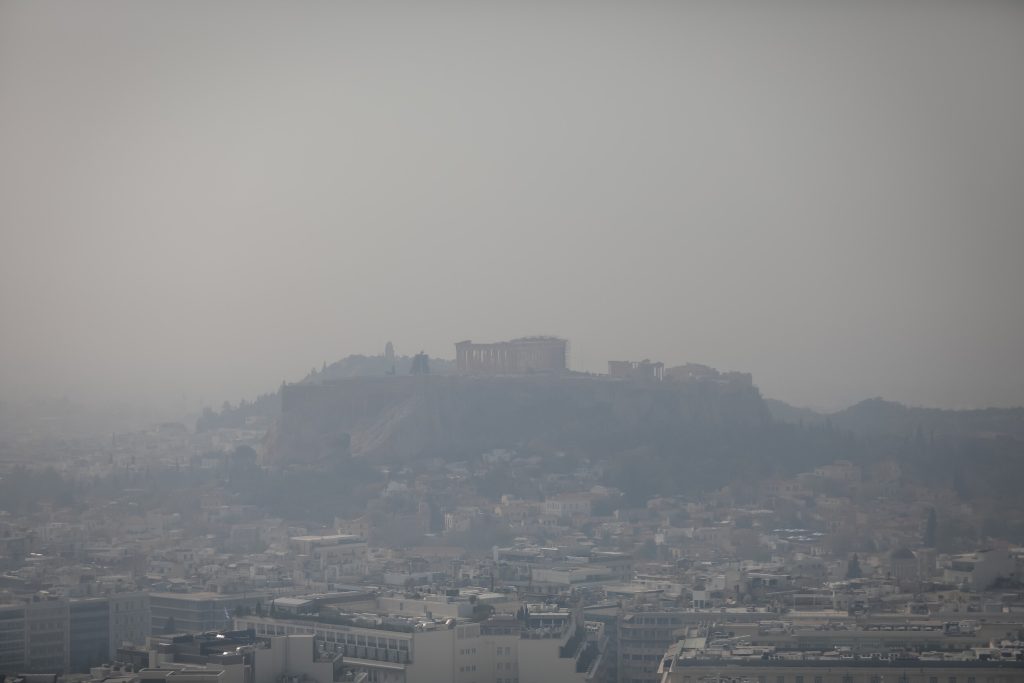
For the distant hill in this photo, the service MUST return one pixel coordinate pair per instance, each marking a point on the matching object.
(647, 438)
(872, 417)
(878, 417)
(64, 418)
(782, 411)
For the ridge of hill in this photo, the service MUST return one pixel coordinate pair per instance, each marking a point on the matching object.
(871, 417)
(879, 417)
(268, 406)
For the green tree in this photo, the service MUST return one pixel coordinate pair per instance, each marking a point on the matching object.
(853, 570)
(647, 550)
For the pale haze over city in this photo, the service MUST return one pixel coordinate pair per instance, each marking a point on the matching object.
(511, 342)
(200, 200)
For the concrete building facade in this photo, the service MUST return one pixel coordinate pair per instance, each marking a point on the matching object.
(643, 638)
(196, 612)
(129, 620)
(88, 633)
(61, 636)
(542, 646)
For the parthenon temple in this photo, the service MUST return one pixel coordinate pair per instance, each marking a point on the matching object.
(518, 356)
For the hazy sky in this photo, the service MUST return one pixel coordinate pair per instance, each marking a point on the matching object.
(201, 199)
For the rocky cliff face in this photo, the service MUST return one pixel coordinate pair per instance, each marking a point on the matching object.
(405, 417)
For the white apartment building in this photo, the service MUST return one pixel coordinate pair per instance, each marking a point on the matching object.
(979, 570)
(547, 645)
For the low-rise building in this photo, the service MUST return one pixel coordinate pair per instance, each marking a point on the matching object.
(643, 638)
(681, 666)
(977, 571)
(541, 643)
(197, 612)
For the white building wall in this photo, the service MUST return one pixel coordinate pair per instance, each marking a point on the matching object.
(539, 662)
(443, 655)
(290, 656)
(433, 657)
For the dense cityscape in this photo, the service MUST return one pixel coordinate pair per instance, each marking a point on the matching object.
(345, 529)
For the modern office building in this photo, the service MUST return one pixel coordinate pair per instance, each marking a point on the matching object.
(70, 635)
(88, 633)
(197, 612)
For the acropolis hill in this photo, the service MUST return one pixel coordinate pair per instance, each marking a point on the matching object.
(486, 406)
